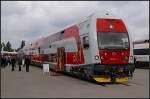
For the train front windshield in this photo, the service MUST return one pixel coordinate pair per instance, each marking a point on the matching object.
(113, 40)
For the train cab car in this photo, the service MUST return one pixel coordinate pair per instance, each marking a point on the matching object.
(141, 53)
(97, 48)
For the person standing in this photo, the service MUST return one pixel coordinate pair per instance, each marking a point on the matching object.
(13, 61)
(4, 60)
(23, 61)
(27, 62)
(9, 60)
(19, 62)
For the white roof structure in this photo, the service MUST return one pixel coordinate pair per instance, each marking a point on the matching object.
(6, 52)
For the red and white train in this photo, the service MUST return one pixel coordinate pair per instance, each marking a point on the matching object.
(98, 48)
(141, 53)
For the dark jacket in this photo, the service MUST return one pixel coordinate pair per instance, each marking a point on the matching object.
(27, 61)
(13, 60)
(20, 61)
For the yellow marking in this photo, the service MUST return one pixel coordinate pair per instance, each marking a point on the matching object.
(102, 79)
(122, 79)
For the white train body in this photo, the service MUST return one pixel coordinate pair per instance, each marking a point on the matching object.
(141, 53)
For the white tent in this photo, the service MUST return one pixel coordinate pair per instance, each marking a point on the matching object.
(6, 52)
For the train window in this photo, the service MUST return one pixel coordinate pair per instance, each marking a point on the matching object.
(141, 51)
(62, 32)
(46, 56)
(86, 42)
(39, 50)
(112, 40)
(52, 58)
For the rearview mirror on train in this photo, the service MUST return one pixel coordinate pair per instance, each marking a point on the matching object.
(86, 42)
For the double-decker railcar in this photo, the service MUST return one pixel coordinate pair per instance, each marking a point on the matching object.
(141, 53)
(98, 48)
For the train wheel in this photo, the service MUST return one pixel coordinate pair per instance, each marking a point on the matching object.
(88, 77)
(82, 74)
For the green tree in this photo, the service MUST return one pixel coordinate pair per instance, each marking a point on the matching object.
(2, 45)
(22, 44)
(7, 47)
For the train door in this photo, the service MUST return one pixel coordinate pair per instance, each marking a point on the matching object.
(61, 58)
(86, 49)
(84, 36)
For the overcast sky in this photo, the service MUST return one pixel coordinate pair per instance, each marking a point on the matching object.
(31, 20)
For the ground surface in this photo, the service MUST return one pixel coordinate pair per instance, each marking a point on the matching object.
(36, 84)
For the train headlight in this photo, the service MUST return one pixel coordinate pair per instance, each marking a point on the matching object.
(102, 57)
(111, 26)
(96, 57)
(126, 57)
(131, 57)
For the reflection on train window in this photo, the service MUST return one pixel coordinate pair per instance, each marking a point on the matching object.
(86, 42)
(113, 40)
(141, 51)
(52, 58)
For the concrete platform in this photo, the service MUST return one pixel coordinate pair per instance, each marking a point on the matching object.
(36, 84)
